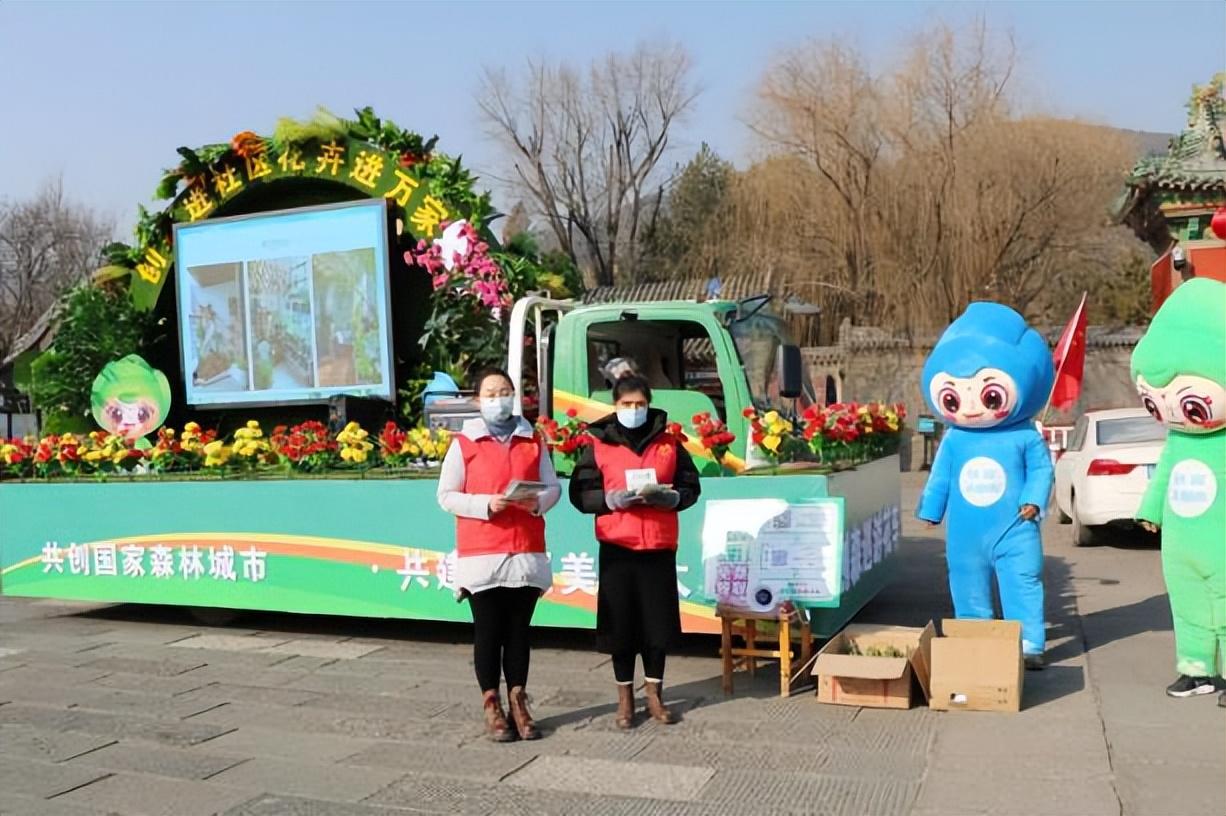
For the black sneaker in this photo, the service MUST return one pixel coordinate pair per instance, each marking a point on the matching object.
(1034, 662)
(1191, 686)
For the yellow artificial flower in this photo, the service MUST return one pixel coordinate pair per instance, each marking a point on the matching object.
(771, 442)
(770, 418)
(216, 453)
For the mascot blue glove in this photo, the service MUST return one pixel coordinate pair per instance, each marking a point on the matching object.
(987, 378)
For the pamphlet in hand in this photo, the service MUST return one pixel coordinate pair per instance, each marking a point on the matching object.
(524, 491)
(641, 481)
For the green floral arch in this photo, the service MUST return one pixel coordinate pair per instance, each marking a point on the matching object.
(373, 158)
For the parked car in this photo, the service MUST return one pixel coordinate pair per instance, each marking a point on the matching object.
(1103, 472)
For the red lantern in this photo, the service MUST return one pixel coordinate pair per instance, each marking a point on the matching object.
(1218, 224)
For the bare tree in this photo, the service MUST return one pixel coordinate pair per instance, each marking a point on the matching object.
(47, 244)
(587, 146)
(910, 192)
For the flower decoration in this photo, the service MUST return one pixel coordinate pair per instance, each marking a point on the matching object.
(105, 452)
(566, 438)
(850, 433)
(459, 263)
(251, 448)
(713, 434)
(400, 448)
(247, 144)
(16, 457)
(306, 447)
(355, 445)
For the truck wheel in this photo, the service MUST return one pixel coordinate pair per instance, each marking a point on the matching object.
(1083, 536)
(212, 616)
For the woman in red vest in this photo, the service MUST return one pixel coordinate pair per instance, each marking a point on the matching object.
(500, 564)
(635, 477)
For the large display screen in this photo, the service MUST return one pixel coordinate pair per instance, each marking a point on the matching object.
(285, 307)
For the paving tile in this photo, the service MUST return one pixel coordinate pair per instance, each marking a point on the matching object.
(1002, 794)
(168, 733)
(144, 795)
(1153, 787)
(343, 783)
(600, 776)
(470, 762)
(441, 794)
(254, 741)
(215, 693)
(14, 804)
(317, 648)
(180, 763)
(810, 794)
(156, 668)
(271, 804)
(49, 745)
(43, 779)
(235, 643)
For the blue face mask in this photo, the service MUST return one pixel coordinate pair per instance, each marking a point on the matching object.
(632, 417)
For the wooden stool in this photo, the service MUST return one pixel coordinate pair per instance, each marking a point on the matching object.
(792, 623)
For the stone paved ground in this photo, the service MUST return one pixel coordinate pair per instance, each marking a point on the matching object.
(140, 711)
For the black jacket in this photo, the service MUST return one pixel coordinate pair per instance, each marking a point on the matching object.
(587, 485)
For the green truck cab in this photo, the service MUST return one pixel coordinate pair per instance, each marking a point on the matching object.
(716, 357)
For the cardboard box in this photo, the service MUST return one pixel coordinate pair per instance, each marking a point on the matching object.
(874, 682)
(977, 666)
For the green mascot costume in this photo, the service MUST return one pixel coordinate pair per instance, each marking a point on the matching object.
(1180, 371)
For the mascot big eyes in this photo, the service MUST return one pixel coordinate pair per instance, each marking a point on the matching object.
(1179, 367)
(987, 378)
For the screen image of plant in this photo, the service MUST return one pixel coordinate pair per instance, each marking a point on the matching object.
(347, 329)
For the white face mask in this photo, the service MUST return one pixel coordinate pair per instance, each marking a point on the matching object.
(632, 417)
(496, 409)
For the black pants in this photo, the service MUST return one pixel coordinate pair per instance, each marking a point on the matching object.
(637, 612)
(501, 625)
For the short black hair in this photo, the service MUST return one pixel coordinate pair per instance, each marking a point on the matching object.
(490, 371)
(629, 384)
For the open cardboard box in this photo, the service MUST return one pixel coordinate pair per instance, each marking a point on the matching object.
(977, 666)
(874, 682)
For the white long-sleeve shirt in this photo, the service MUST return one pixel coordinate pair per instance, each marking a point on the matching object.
(475, 573)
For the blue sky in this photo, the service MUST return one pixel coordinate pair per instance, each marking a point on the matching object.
(102, 93)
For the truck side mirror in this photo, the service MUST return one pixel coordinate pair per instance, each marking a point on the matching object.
(791, 372)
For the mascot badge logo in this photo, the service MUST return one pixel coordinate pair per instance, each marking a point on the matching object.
(130, 398)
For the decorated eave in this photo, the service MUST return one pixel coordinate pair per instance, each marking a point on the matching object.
(1192, 173)
(373, 157)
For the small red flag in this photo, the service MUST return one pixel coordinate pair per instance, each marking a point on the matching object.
(1070, 361)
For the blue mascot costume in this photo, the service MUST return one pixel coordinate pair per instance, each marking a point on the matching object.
(987, 378)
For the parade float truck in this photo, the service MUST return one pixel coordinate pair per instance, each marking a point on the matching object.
(324, 262)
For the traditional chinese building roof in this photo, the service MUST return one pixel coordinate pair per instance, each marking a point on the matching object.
(1193, 170)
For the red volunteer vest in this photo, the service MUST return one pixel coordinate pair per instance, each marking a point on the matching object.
(639, 528)
(489, 467)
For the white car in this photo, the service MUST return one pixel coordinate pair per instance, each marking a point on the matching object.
(1102, 474)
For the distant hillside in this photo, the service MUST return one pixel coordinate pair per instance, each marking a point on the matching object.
(1148, 142)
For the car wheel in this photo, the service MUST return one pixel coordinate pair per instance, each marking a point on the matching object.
(1083, 536)
(1061, 516)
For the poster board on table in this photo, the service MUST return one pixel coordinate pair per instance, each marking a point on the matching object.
(758, 553)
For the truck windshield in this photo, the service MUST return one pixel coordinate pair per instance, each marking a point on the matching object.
(757, 340)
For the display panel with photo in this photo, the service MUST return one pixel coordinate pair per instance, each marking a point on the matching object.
(283, 307)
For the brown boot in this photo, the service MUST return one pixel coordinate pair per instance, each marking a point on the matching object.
(655, 705)
(519, 712)
(625, 706)
(496, 728)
